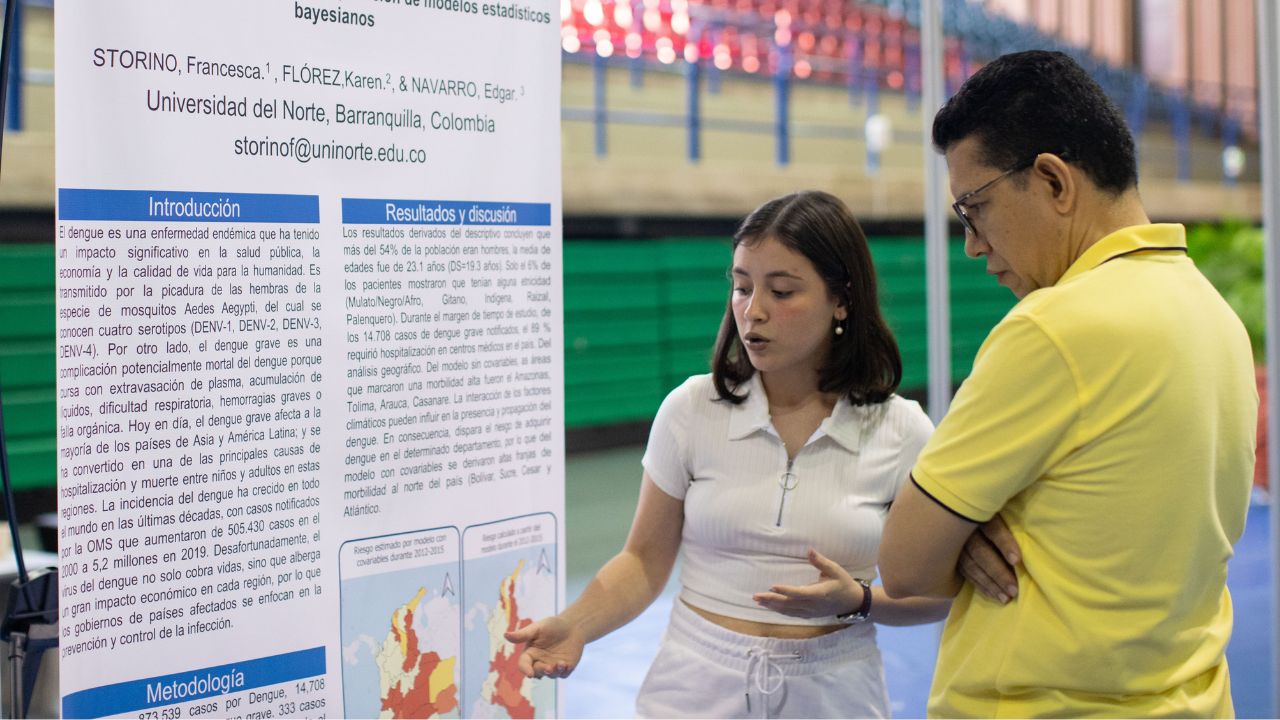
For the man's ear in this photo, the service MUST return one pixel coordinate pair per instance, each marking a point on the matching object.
(1061, 181)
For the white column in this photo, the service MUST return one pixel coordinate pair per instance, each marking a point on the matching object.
(1269, 85)
(937, 263)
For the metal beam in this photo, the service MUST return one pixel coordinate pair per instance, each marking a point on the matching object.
(1269, 112)
(937, 260)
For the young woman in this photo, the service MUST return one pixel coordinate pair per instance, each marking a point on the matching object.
(772, 476)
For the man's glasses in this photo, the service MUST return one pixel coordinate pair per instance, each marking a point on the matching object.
(959, 205)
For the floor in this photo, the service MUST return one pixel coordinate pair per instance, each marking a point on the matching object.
(601, 490)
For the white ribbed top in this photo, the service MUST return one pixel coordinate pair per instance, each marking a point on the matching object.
(726, 461)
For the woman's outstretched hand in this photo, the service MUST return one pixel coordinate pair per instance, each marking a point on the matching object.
(552, 647)
(835, 592)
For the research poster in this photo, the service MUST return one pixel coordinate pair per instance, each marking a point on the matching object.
(309, 356)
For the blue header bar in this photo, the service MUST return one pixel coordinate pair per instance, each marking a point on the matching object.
(373, 211)
(178, 206)
(134, 695)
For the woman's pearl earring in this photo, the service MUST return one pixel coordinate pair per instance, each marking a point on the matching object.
(839, 329)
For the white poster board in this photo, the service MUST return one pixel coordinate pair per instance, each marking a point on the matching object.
(310, 365)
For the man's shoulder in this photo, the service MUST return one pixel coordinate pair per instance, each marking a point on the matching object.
(1024, 350)
(1089, 306)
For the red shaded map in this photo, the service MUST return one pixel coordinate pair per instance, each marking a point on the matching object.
(417, 702)
(505, 665)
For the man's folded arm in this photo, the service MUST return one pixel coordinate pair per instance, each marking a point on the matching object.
(921, 546)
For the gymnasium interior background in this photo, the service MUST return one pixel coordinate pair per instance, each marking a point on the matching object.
(678, 117)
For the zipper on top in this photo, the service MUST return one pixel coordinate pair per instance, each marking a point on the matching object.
(787, 482)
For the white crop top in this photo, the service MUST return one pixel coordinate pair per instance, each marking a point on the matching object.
(742, 532)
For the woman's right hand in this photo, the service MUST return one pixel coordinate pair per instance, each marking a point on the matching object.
(624, 587)
(552, 647)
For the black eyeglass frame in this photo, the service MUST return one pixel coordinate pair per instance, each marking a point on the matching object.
(959, 205)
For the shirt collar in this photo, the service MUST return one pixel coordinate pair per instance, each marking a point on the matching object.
(1165, 236)
(751, 414)
(844, 425)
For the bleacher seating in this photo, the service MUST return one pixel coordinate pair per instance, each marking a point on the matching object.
(852, 42)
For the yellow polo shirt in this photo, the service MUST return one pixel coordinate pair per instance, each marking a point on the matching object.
(1110, 419)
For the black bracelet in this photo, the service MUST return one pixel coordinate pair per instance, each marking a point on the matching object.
(864, 610)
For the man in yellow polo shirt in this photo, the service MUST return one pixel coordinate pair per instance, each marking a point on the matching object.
(1109, 420)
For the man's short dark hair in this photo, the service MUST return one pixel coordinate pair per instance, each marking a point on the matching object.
(1026, 103)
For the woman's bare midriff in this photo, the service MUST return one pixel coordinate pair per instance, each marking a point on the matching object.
(761, 629)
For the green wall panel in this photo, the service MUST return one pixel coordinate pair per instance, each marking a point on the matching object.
(27, 362)
(639, 318)
(688, 278)
(26, 267)
(614, 319)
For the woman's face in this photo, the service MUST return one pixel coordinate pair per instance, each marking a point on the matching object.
(785, 314)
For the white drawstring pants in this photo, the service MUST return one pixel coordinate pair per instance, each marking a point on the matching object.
(704, 670)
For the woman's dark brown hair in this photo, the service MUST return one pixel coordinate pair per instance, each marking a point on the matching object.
(864, 364)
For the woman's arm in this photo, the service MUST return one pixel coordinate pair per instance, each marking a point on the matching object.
(620, 591)
(634, 578)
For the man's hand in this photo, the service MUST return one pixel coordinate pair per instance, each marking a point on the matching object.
(988, 559)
